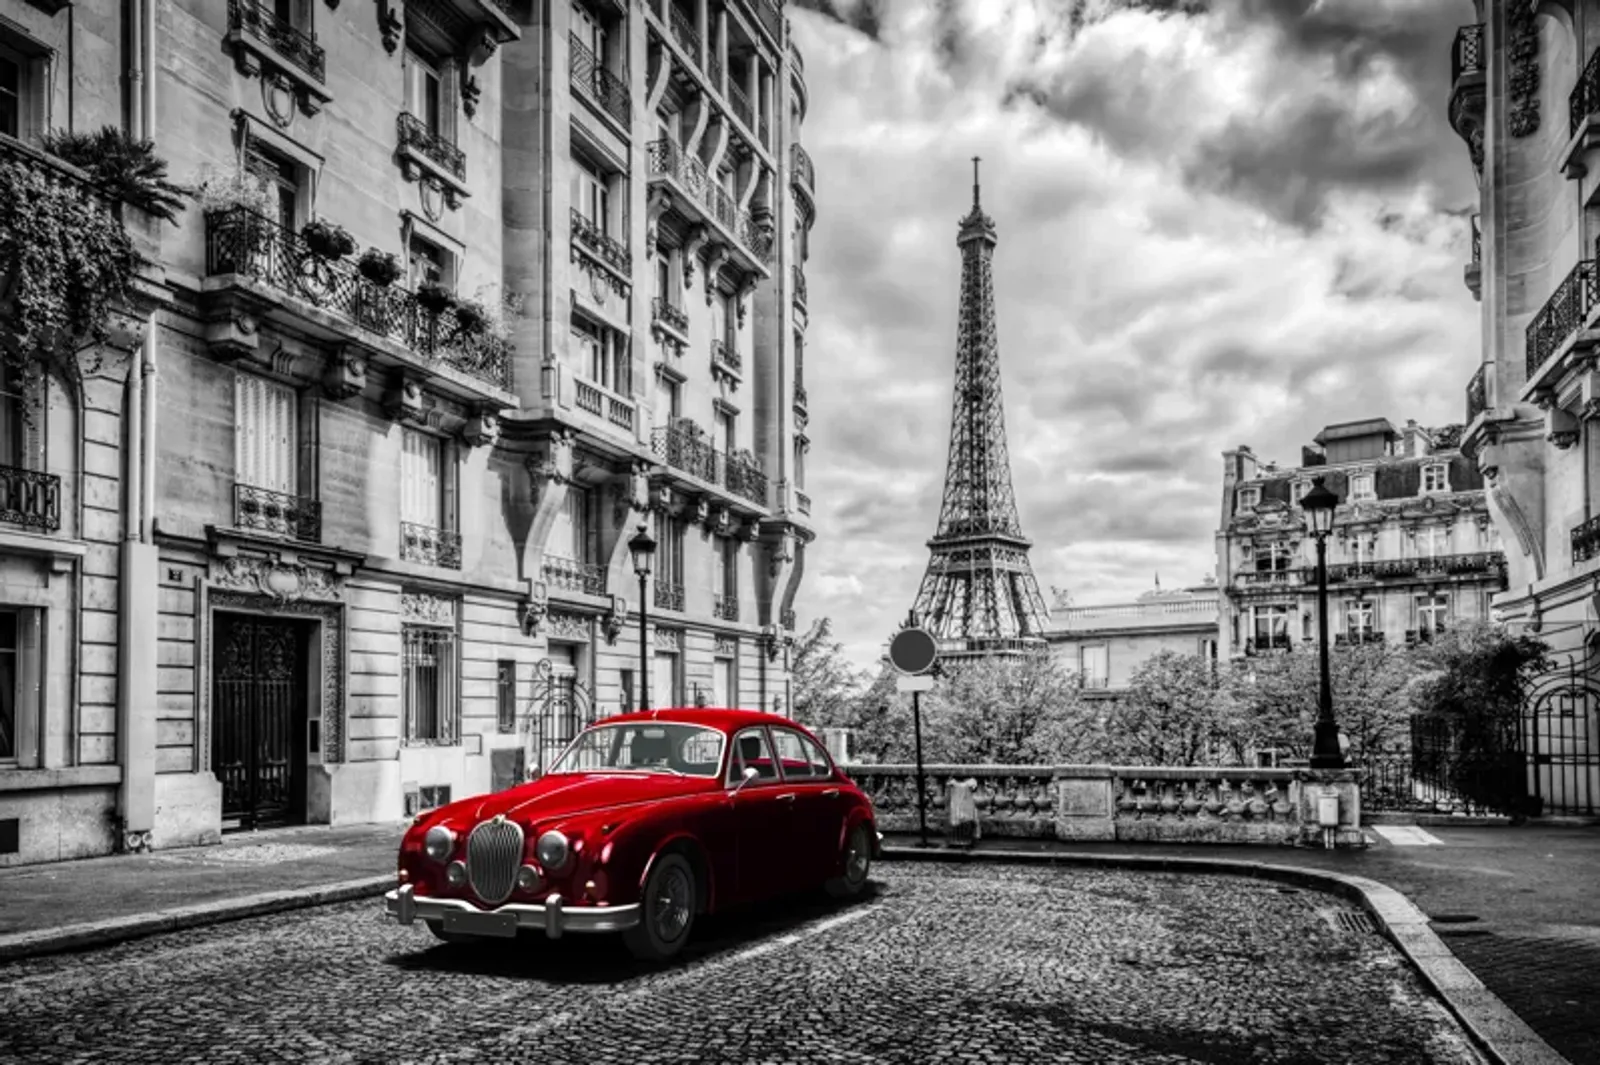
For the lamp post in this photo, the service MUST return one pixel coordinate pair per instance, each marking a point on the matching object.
(643, 546)
(1318, 505)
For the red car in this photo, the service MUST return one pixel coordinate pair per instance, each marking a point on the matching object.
(646, 820)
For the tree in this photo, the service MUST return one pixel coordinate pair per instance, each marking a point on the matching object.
(826, 687)
(1479, 682)
(1007, 710)
(1179, 710)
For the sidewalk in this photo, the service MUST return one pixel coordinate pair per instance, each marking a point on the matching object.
(1515, 905)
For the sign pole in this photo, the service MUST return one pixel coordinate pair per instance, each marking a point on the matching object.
(913, 653)
(922, 788)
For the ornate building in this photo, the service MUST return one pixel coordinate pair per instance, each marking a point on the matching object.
(1412, 548)
(979, 595)
(1525, 96)
(1106, 643)
(476, 289)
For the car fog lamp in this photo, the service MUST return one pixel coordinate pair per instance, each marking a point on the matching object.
(527, 878)
(552, 850)
(439, 842)
(456, 873)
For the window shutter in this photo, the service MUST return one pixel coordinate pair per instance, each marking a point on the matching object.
(591, 528)
(446, 494)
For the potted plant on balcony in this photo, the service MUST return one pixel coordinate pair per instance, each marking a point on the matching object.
(472, 318)
(122, 169)
(238, 206)
(326, 239)
(380, 267)
(435, 298)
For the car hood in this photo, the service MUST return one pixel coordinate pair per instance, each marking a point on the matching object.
(565, 795)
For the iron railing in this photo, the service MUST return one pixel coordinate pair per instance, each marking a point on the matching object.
(1477, 393)
(1585, 97)
(684, 32)
(592, 237)
(1562, 315)
(1277, 641)
(430, 546)
(428, 670)
(714, 69)
(239, 241)
(589, 73)
(1466, 53)
(796, 58)
(667, 159)
(1341, 639)
(767, 11)
(804, 169)
(745, 479)
(414, 133)
(802, 502)
(725, 354)
(30, 498)
(725, 607)
(1471, 562)
(674, 317)
(280, 514)
(799, 394)
(295, 45)
(741, 104)
(669, 596)
(799, 276)
(694, 454)
(586, 577)
(1586, 540)
(1477, 240)
(786, 619)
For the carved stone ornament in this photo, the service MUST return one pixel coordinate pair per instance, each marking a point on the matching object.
(742, 306)
(1590, 410)
(391, 24)
(471, 92)
(427, 609)
(482, 429)
(345, 376)
(551, 463)
(691, 255)
(283, 582)
(749, 532)
(403, 401)
(531, 611)
(655, 206)
(573, 628)
(726, 647)
(770, 642)
(669, 639)
(1522, 49)
(701, 512)
(1561, 427)
(714, 261)
(780, 554)
(277, 98)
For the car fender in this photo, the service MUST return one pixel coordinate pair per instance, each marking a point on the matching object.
(683, 839)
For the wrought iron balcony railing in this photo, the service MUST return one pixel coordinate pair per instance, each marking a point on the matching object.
(296, 517)
(669, 596)
(1470, 562)
(586, 577)
(1477, 239)
(1466, 53)
(1278, 576)
(725, 607)
(589, 73)
(239, 241)
(799, 394)
(673, 317)
(298, 47)
(803, 167)
(725, 354)
(667, 159)
(1359, 636)
(802, 502)
(786, 619)
(30, 498)
(1585, 97)
(430, 546)
(694, 454)
(745, 479)
(595, 239)
(1277, 641)
(1586, 541)
(799, 285)
(1477, 394)
(1562, 315)
(414, 133)
(796, 58)
(714, 69)
(767, 11)
(741, 105)
(684, 32)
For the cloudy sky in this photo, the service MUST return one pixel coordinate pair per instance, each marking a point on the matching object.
(1220, 223)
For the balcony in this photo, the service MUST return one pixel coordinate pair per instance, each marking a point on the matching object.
(277, 514)
(742, 110)
(803, 170)
(260, 40)
(685, 451)
(1277, 641)
(802, 502)
(603, 403)
(1343, 639)
(770, 19)
(668, 596)
(588, 578)
(1466, 55)
(683, 31)
(262, 259)
(1585, 541)
(1280, 576)
(417, 139)
(698, 199)
(1561, 317)
(1473, 274)
(744, 479)
(800, 396)
(1406, 568)
(430, 546)
(594, 240)
(799, 277)
(724, 356)
(589, 74)
(725, 607)
(30, 499)
(675, 320)
(1477, 394)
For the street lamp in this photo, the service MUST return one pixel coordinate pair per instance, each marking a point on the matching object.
(643, 546)
(1318, 505)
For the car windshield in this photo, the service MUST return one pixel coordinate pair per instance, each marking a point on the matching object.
(644, 747)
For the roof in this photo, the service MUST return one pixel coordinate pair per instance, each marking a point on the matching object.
(722, 718)
(1365, 427)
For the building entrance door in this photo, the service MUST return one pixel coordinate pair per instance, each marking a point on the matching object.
(258, 731)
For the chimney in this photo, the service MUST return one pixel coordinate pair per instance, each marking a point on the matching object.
(1238, 465)
(1413, 439)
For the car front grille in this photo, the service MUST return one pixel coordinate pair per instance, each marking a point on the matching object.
(494, 851)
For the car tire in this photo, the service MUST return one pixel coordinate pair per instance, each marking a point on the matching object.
(666, 910)
(857, 860)
(436, 927)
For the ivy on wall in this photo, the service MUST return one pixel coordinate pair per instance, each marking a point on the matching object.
(1522, 50)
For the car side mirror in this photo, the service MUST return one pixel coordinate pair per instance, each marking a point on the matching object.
(746, 777)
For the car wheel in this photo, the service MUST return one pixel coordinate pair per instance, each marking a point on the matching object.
(857, 864)
(666, 911)
(437, 929)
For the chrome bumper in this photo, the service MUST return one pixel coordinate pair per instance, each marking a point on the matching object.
(553, 915)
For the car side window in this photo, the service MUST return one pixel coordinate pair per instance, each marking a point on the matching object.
(750, 751)
(820, 765)
(791, 754)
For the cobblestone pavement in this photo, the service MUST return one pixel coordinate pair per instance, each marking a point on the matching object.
(939, 963)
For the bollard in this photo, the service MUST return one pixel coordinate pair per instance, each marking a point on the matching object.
(962, 812)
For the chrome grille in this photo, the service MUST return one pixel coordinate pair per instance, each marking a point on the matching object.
(494, 850)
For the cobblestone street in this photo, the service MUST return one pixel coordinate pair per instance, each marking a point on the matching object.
(941, 963)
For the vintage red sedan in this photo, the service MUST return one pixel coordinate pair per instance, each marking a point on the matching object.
(645, 821)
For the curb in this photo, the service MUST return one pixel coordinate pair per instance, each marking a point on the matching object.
(21, 945)
(1502, 1034)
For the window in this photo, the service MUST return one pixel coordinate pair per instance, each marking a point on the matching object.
(505, 681)
(1361, 486)
(20, 651)
(1208, 649)
(1274, 557)
(792, 754)
(424, 98)
(728, 579)
(425, 482)
(821, 765)
(750, 750)
(727, 431)
(13, 422)
(800, 462)
(669, 400)
(1248, 498)
(283, 181)
(722, 692)
(12, 77)
(719, 315)
(1298, 490)
(265, 434)
(669, 551)
(591, 196)
(425, 262)
(428, 682)
(1357, 619)
(589, 32)
(664, 685)
(576, 535)
(1360, 550)
(602, 355)
(626, 683)
(1094, 665)
(1436, 478)
(799, 359)
(1270, 625)
(664, 285)
(23, 80)
(1432, 612)
(1433, 541)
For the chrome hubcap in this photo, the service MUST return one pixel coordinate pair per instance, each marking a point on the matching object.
(856, 858)
(672, 904)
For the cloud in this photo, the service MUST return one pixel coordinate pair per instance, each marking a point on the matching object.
(1219, 223)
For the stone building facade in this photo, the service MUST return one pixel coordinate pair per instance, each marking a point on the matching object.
(1412, 548)
(386, 494)
(1105, 644)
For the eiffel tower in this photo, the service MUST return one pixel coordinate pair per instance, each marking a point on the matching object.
(979, 596)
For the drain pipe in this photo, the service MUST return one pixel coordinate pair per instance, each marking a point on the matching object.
(147, 369)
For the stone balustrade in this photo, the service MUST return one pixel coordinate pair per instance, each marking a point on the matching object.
(1154, 804)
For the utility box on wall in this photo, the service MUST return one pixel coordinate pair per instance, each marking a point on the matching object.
(1328, 811)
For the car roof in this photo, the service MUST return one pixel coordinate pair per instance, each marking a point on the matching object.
(725, 719)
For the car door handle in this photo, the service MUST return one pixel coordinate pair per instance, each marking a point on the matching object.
(831, 793)
(786, 798)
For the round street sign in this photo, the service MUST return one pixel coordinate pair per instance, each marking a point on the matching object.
(913, 650)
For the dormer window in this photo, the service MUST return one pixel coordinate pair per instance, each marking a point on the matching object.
(1435, 478)
(1249, 498)
(1297, 491)
(1361, 487)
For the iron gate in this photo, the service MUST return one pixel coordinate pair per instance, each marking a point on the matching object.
(1563, 736)
(561, 707)
(259, 713)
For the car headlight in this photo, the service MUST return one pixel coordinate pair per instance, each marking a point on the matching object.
(439, 843)
(552, 851)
